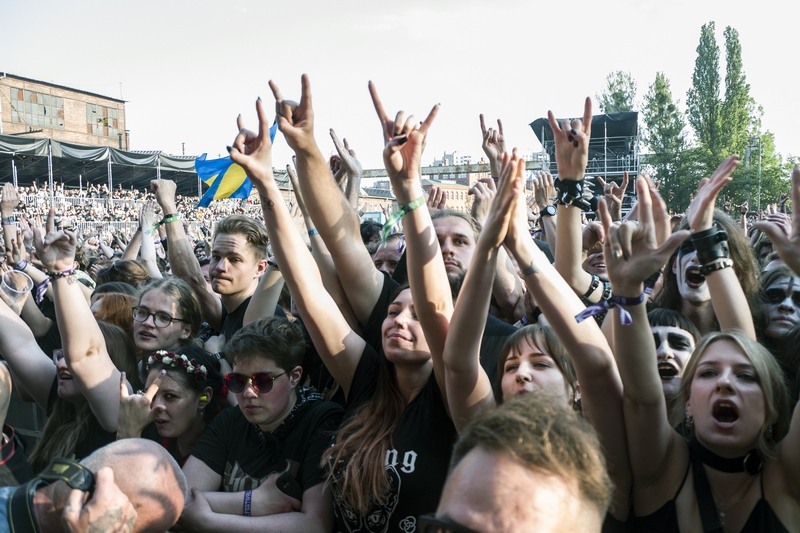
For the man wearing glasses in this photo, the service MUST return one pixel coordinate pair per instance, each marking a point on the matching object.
(258, 465)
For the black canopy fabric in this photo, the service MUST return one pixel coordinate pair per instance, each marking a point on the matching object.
(613, 132)
(129, 169)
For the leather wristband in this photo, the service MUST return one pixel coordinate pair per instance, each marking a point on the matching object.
(711, 245)
(713, 266)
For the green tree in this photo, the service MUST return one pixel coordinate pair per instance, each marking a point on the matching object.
(703, 99)
(665, 139)
(737, 109)
(619, 94)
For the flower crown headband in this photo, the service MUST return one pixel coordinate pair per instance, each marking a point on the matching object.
(178, 361)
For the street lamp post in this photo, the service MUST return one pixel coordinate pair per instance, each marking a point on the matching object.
(755, 142)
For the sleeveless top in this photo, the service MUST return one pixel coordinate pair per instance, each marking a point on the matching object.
(665, 519)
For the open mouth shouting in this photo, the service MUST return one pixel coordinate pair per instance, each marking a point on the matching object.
(667, 371)
(694, 279)
(725, 413)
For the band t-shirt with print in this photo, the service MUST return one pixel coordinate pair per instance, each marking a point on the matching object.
(245, 456)
(417, 461)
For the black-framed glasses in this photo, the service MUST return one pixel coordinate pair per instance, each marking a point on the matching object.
(776, 296)
(261, 381)
(160, 319)
(443, 524)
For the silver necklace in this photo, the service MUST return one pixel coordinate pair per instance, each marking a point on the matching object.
(723, 510)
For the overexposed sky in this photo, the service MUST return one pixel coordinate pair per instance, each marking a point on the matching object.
(188, 67)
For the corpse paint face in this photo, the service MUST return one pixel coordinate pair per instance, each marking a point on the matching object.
(782, 302)
(691, 284)
(674, 347)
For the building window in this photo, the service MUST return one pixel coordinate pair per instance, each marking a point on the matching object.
(37, 110)
(102, 121)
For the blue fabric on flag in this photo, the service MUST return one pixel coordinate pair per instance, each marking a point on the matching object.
(225, 179)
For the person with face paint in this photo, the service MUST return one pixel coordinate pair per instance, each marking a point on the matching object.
(675, 338)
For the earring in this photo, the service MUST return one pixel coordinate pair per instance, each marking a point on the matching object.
(201, 413)
(689, 422)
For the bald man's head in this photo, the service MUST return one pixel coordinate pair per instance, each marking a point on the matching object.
(150, 478)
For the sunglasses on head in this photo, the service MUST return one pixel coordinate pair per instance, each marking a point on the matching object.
(776, 296)
(261, 381)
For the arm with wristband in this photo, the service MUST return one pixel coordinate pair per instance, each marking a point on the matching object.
(148, 221)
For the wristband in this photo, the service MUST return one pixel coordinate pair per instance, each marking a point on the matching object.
(42, 287)
(713, 266)
(606, 305)
(312, 232)
(248, 497)
(711, 245)
(170, 218)
(574, 192)
(152, 229)
(592, 286)
(10, 220)
(403, 210)
(9, 223)
(22, 265)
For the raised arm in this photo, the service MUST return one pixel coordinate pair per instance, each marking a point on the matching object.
(430, 290)
(148, 221)
(727, 297)
(266, 296)
(469, 391)
(787, 246)
(632, 250)
(334, 218)
(339, 347)
(81, 339)
(181, 253)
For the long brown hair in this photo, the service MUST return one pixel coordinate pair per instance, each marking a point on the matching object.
(358, 457)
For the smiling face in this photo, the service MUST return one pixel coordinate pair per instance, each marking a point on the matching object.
(234, 267)
(403, 339)
(528, 368)
(68, 388)
(267, 409)
(782, 303)
(691, 284)
(177, 406)
(596, 264)
(457, 241)
(150, 338)
(726, 400)
(674, 347)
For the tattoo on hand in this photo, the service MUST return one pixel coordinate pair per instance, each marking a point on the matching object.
(269, 204)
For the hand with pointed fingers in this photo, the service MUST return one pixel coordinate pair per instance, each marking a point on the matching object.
(592, 234)
(347, 156)
(484, 192)
(614, 195)
(338, 171)
(106, 510)
(787, 245)
(296, 121)
(437, 200)
(544, 189)
(254, 151)
(403, 138)
(136, 410)
(727, 205)
(55, 249)
(745, 207)
(494, 146)
(17, 250)
(632, 251)
(572, 143)
(701, 210)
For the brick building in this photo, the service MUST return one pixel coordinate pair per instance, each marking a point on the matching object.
(46, 110)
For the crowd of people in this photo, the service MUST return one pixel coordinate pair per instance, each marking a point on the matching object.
(517, 368)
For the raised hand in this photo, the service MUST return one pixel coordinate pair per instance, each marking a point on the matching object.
(484, 191)
(787, 245)
(347, 156)
(544, 189)
(404, 140)
(55, 249)
(254, 151)
(509, 196)
(701, 210)
(135, 411)
(10, 200)
(614, 195)
(437, 200)
(148, 217)
(572, 143)
(494, 146)
(164, 191)
(632, 251)
(296, 121)
(107, 510)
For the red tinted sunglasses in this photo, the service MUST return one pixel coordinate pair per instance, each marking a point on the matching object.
(261, 381)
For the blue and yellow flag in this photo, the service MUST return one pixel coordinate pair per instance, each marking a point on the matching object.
(225, 179)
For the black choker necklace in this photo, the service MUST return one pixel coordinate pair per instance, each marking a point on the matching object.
(750, 463)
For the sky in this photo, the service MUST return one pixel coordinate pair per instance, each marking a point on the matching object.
(187, 68)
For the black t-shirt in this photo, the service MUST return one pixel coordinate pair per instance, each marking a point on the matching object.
(14, 467)
(245, 456)
(495, 331)
(96, 437)
(417, 462)
(233, 321)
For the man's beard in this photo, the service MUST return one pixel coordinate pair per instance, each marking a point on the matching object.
(456, 281)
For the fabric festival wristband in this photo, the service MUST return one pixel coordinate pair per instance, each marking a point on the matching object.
(42, 287)
(312, 232)
(403, 210)
(248, 497)
(152, 229)
(171, 218)
(606, 305)
(22, 265)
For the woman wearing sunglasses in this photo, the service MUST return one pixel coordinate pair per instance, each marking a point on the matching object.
(390, 458)
(258, 466)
